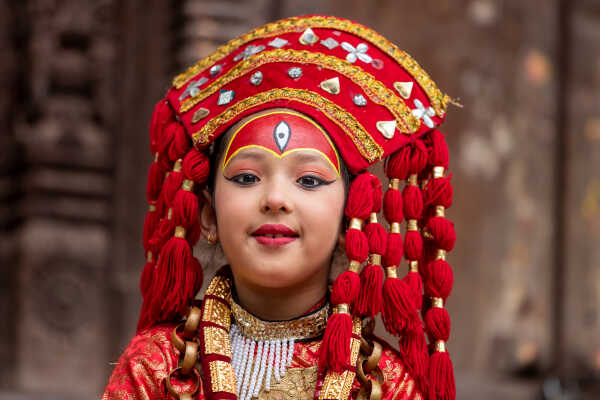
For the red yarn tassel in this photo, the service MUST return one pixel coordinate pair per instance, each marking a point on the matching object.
(180, 144)
(376, 237)
(185, 208)
(392, 206)
(439, 192)
(413, 202)
(167, 137)
(394, 251)
(334, 353)
(151, 223)
(162, 116)
(171, 186)
(443, 232)
(370, 298)
(399, 307)
(414, 281)
(195, 272)
(413, 245)
(345, 288)
(146, 278)
(360, 197)
(439, 150)
(415, 355)
(441, 377)
(196, 166)
(418, 157)
(156, 176)
(175, 283)
(398, 164)
(440, 279)
(357, 246)
(163, 232)
(438, 323)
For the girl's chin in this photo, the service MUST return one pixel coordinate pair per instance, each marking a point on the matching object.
(279, 276)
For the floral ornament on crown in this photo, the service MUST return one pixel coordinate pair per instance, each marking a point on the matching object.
(357, 53)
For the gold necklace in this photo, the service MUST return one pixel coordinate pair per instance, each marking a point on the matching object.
(304, 327)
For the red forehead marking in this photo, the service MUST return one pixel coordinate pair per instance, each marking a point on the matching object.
(281, 133)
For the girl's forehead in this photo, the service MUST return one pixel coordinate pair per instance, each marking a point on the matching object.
(281, 133)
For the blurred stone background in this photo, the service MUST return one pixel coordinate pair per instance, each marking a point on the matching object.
(79, 80)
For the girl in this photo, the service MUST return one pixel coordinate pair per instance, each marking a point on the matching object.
(263, 147)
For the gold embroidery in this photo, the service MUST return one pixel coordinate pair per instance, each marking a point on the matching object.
(220, 286)
(217, 312)
(296, 384)
(377, 91)
(363, 141)
(439, 101)
(222, 377)
(354, 349)
(337, 386)
(216, 341)
(306, 327)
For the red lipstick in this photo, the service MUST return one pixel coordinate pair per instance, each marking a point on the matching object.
(274, 235)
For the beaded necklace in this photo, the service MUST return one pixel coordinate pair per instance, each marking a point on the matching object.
(264, 349)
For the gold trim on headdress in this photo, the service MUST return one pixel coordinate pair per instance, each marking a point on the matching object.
(363, 141)
(375, 89)
(439, 101)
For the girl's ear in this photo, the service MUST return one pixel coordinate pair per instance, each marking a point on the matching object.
(208, 219)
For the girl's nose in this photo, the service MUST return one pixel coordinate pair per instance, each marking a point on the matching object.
(275, 199)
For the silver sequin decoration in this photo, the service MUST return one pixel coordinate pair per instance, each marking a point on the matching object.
(193, 88)
(256, 78)
(295, 72)
(359, 100)
(278, 42)
(225, 97)
(215, 69)
(330, 43)
(248, 52)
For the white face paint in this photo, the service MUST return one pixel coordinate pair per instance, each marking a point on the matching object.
(282, 135)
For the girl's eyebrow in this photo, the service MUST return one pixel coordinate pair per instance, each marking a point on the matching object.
(309, 156)
(251, 154)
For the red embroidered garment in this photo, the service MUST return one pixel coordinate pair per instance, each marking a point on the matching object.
(150, 356)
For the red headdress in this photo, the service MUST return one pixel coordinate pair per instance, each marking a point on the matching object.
(375, 102)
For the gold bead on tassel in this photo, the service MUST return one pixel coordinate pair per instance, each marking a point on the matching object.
(354, 266)
(356, 223)
(440, 346)
(341, 309)
(390, 271)
(413, 266)
(180, 232)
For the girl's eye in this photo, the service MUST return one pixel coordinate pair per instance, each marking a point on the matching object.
(311, 181)
(244, 179)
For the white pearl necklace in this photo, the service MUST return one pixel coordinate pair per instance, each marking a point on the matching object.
(271, 358)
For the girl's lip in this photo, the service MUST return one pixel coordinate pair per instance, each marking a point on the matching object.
(274, 235)
(274, 241)
(275, 229)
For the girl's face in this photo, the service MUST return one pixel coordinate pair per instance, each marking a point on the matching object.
(278, 213)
